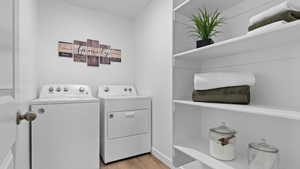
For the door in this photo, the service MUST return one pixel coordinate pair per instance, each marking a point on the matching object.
(8, 106)
(8, 109)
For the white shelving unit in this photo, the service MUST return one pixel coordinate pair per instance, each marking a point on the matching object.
(189, 7)
(252, 109)
(191, 123)
(199, 151)
(181, 5)
(286, 34)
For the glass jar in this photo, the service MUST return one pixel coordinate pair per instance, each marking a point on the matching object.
(263, 156)
(222, 142)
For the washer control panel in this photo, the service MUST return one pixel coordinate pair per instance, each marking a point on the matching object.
(116, 90)
(65, 90)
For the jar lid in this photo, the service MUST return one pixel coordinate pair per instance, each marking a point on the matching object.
(223, 129)
(263, 146)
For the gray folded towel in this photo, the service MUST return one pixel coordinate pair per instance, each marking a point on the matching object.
(288, 16)
(232, 95)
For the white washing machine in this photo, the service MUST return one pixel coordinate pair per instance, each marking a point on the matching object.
(125, 122)
(65, 134)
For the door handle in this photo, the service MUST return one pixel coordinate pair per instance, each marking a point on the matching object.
(130, 114)
(28, 116)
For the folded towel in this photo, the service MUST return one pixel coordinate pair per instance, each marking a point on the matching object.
(288, 16)
(205, 81)
(267, 28)
(232, 95)
(290, 5)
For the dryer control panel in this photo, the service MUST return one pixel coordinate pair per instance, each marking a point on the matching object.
(65, 91)
(116, 90)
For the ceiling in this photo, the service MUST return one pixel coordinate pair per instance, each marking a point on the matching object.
(127, 8)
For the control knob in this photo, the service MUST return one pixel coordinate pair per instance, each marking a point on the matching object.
(81, 89)
(51, 89)
(58, 89)
(106, 89)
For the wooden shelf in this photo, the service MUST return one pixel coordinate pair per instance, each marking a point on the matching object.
(198, 150)
(288, 33)
(252, 109)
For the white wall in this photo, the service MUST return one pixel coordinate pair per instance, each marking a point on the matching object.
(25, 71)
(153, 35)
(60, 21)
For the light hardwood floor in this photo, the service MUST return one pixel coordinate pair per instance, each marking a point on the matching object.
(147, 161)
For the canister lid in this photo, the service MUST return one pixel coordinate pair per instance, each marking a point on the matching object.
(263, 146)
(223, 129)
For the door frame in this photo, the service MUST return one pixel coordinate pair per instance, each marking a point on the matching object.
(15, 90)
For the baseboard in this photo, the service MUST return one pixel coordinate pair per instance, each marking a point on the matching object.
(162, 157)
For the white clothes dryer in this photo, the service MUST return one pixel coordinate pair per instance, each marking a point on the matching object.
(125, 122)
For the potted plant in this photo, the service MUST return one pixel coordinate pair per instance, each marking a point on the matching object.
(205, 26)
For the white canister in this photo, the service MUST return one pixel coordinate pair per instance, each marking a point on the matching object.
(222, 141)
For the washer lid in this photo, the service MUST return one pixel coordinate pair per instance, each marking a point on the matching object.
(63, 100)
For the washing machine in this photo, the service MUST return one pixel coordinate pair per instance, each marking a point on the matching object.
(65, 134)
(125, 122)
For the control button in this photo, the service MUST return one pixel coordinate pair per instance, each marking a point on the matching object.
(125, 89)
(58, 89)
(81, 89)
(130, 90)
(51, 89)
(106, 89)
(66, 89)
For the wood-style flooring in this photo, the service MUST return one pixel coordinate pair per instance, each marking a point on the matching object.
(147, 161)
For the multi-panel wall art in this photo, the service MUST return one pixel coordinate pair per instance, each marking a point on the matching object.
(91, 52)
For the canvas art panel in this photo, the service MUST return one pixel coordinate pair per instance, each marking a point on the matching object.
(105, 54)
(93, 61)
(93, 52)
(79, 51)
(65, 49)
(116, 55)
(90, 52)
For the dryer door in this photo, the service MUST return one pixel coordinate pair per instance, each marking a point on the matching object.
(128, 123)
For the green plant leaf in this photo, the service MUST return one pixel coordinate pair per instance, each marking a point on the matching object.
(206, 24)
